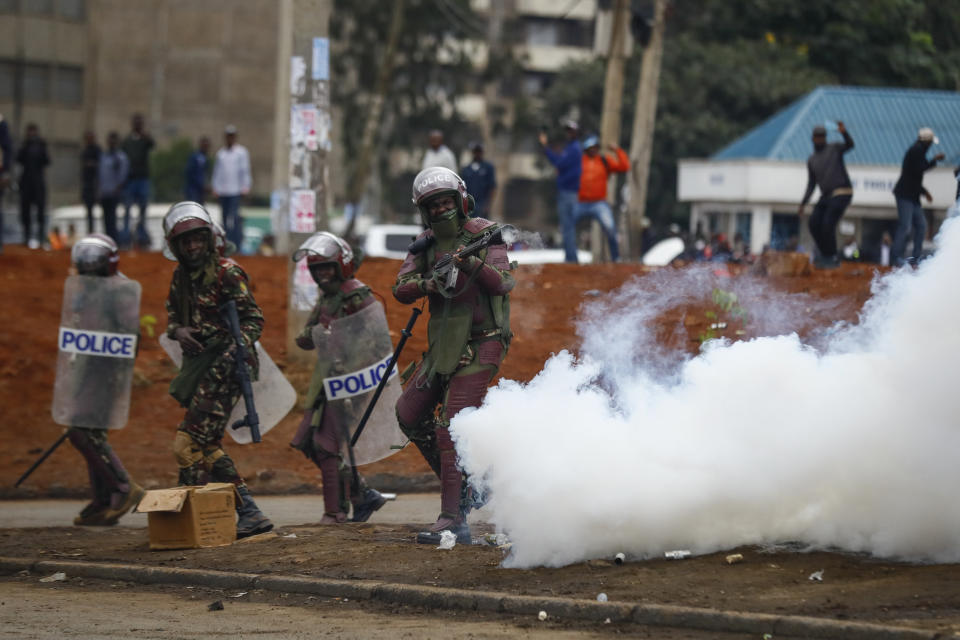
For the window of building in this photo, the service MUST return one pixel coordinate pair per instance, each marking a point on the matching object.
(8, 78)
(558, 32)
(534, 82)
(742, 226)
(38, 7)
(68, 85)
(36, 83)
(542, 32)
(72, 9)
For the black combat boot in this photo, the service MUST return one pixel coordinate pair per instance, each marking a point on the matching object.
(371, 501)
(250, 520)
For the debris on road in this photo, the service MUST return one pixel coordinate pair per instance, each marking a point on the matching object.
(215, 606)
(59, 576)
(678, 554)
(734, 558)
(496, 539)
(542, 616)
(816, 576)
(620, 558)
(601, 597)
(448, 540)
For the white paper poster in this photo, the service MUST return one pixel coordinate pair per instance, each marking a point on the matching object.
(304, 293)
(298, 76)
(303, 211)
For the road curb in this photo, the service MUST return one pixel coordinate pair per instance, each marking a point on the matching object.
(487, 601)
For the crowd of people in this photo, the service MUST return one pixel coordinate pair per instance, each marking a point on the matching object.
(118, 175)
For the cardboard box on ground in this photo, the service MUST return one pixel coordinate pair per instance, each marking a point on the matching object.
(191, 517)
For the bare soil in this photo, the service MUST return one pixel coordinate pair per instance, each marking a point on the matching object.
(853, 587)
(544, 306)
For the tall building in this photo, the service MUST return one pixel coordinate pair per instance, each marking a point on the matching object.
(190, 67)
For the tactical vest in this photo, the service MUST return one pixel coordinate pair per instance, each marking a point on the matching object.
(452, 320)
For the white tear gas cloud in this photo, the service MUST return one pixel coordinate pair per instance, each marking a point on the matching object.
(852, 444)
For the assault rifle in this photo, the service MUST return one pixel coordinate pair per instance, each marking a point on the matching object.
(229, 313)
(445, 271)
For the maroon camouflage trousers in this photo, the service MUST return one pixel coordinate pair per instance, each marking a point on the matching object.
(417, 406)
(109, 481)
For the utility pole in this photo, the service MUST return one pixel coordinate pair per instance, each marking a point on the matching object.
(612, 102)
(644, 120)
(302, 141)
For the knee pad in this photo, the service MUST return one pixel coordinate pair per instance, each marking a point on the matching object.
(185, 450)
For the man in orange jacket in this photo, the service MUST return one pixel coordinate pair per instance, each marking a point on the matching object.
(596, 168)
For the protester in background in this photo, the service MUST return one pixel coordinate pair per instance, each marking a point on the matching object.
(886, 244)
(34, 159)
(569, 165)
(89, 168)
(195, 174)
(481, 180)
(137, 145)
(438, 154)
(113, 170)
(594, 174)
(907, 192)
(231, 181)
(6, 164)
(826, 169)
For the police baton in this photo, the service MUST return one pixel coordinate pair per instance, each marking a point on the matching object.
(46, 454)
(386, 374)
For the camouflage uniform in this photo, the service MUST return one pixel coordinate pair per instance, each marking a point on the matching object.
(207, 384)
(468, 336)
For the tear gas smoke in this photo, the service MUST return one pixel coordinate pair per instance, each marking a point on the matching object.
(851, 444)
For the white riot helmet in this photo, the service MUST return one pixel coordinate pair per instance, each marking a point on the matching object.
(324, 247)
(435, 181)
(181, 218)
(95, 255)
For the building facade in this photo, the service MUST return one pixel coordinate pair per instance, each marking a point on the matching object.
(753, 186)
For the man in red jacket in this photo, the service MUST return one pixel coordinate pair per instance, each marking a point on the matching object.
(596, 168)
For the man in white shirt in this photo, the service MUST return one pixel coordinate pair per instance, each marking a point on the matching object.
(439, 154)
(230, 182)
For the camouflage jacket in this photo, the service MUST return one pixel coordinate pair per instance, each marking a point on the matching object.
(352, 297)
(196, 296)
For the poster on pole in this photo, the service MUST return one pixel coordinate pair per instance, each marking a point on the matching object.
(298, 76)
(303, 211)
(321, 59)
(304, 292)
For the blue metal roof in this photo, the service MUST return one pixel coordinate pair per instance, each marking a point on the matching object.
(882, 121)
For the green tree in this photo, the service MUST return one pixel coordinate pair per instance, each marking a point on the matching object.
(730, 64)
(422, 89)
(166, 168)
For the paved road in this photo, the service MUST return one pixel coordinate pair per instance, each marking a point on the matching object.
(101, 610)
(285, 511)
